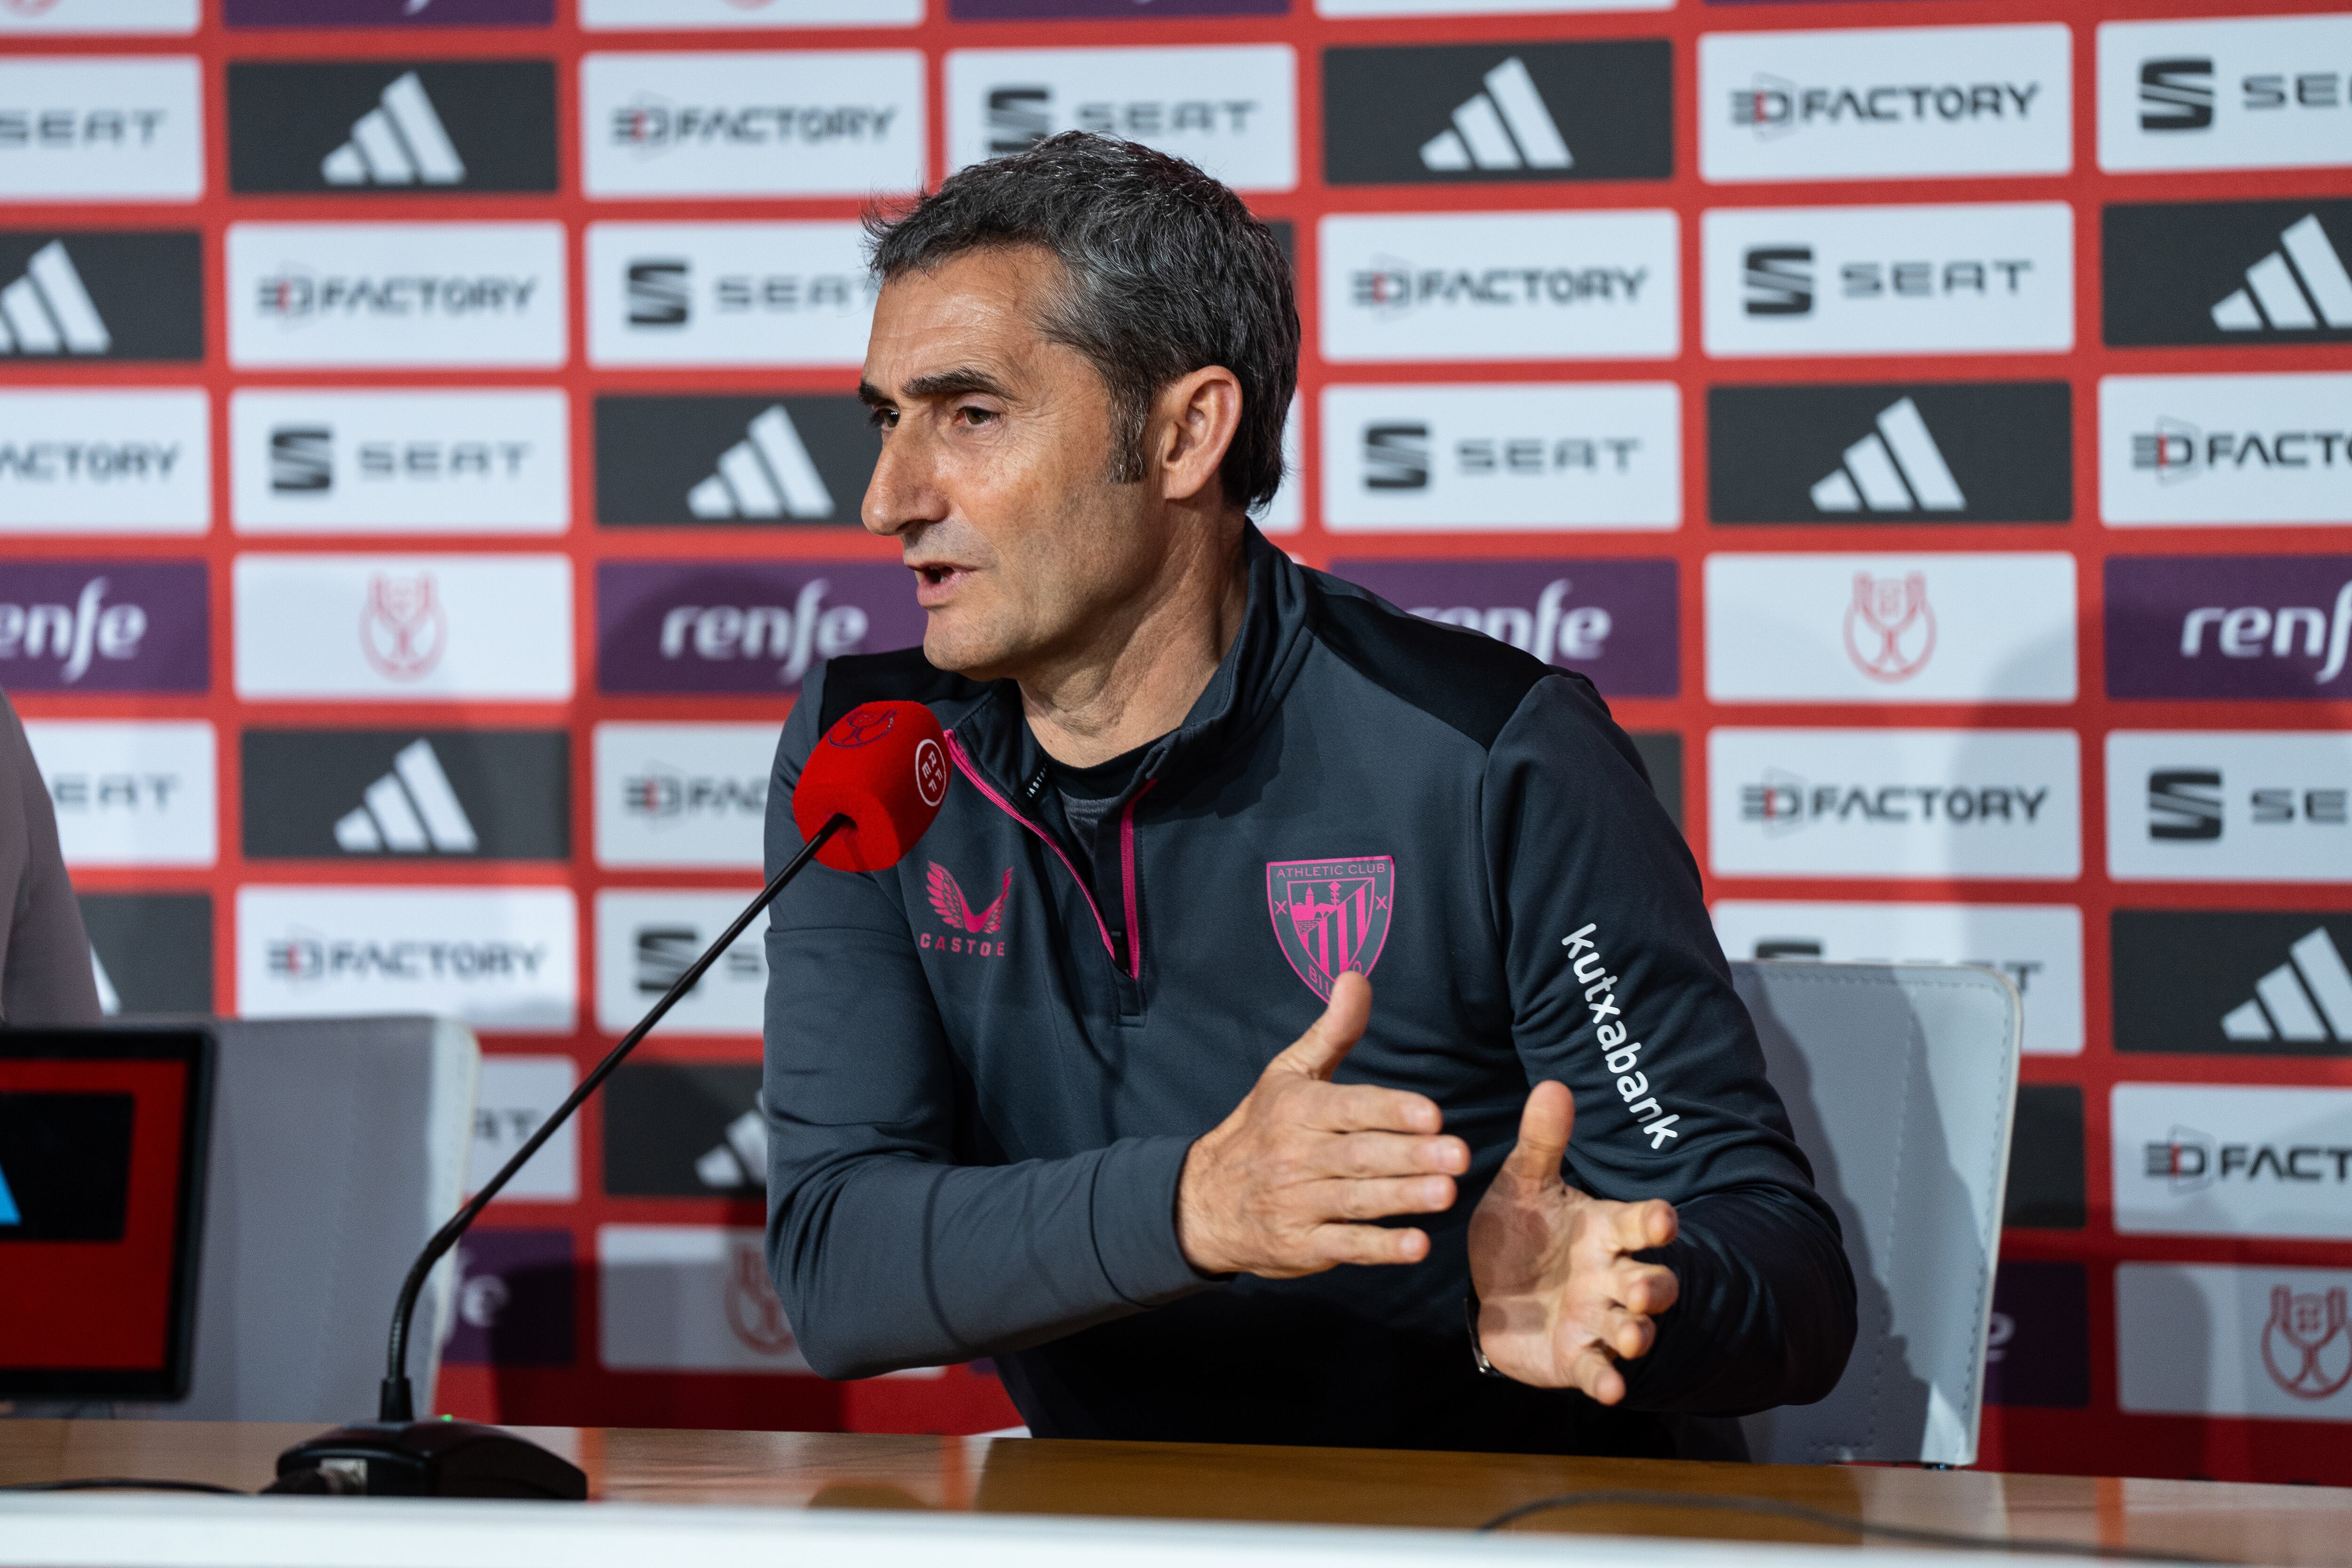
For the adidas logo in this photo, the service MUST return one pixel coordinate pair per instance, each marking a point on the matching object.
(399, 142)
(767, 474)
(1505, 127)
(1896, 467)
(739, 1161)
(48, 311)
(2273, 297)
(2283, 1007)
(410, 810)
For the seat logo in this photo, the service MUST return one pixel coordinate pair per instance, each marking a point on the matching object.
(2176, 94)
(1505, 127)
(1330, 916)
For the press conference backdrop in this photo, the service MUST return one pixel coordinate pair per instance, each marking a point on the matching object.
(429, 470)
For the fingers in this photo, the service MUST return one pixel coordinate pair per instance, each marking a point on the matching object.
(1362, 1107)
(1370, 1244)
(1597, 1375)
(1330, 1037)
(1380, 1197)
(1393, 1154)
(1625, 1335)
(1636, 1228)
(1543, 1128)
(1646, 1287)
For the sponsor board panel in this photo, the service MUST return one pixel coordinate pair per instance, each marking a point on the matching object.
(676, 1130)
(1499, 285)
(349, 295)
(2038, 946)
(104, 625)
(118, 460)
(2213, 1159)
(1885, 103)
(728, 293)
(388, 13)
(2201, 449)
(129, 792)
(744, 123)
(646, 940)
(375, 795)
(1959, 280)
(691, 1298)
(514, 1098)
(125, 128)
(762, 461)
(326, 461)
(504, 959)
(1991, 626)
(2038, 1344)
(99, 17)
(2242, 92)
(751, 629)
(1961, 803)
(404, 628)
(2045, 1189)
(2209, 1339)
(1231, 108)
(1440, 113)
(2253, 626)
(683, 794)
(515, 1301)
(2249, 274)
(730, 15)
(2231, 805)
(1616, 621)
(151, 952)
(1519, 455)
(2232, 982)
(1892, 453)
(68, 296)
(391, 127)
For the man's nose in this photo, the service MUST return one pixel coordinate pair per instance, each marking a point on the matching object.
(903, 492)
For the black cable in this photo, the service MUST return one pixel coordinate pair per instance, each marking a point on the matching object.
(1725, 1503)
(119, 1483)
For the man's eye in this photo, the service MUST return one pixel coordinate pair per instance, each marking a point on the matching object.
(972, 414)
(882, 418)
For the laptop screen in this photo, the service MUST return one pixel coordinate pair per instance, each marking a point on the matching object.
(103, 1136)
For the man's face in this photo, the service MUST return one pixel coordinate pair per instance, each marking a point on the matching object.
(995, 468)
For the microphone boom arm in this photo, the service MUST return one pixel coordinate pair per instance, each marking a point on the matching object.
(397, 1402)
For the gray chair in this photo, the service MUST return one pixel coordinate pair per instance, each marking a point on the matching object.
(1901, 1082)
(339, 1145)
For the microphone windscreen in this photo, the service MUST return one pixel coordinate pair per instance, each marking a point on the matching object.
(883, 765)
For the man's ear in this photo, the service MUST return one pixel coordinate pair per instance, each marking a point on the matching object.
(1194, 421)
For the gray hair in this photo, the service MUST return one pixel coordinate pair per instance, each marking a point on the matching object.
(1167, 273)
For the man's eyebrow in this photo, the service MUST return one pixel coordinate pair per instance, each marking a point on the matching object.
(955, 384)
(872, 395)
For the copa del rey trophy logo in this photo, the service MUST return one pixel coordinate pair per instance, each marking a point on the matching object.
(403, 628)
(753, 1311)
(1889, 629)
(1330, 916)
(2307, 1344)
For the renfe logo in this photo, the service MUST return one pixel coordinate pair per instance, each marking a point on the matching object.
(109, 626)
(2230, 626)
(1886, 102)
(749, 628)
(1551, 112)
(1615, 621)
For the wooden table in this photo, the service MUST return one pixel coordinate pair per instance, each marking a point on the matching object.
(2224, 1521)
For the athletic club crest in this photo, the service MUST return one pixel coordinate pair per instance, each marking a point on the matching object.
(1330, 916)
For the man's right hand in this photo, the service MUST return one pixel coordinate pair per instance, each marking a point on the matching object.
(1283, 1186)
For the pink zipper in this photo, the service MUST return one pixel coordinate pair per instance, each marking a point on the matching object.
(1127, 881)
(1127, 853)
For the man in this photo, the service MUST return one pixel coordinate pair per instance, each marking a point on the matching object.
(1178, 1068)
(46, 978)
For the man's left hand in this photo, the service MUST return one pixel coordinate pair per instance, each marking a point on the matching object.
(1561, 1298)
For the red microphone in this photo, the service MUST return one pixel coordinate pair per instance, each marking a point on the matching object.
(868, 792)
(883, 765)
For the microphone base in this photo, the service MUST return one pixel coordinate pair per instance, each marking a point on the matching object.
(428, 1458)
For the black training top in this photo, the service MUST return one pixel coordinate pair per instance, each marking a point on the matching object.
(985, 1065)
